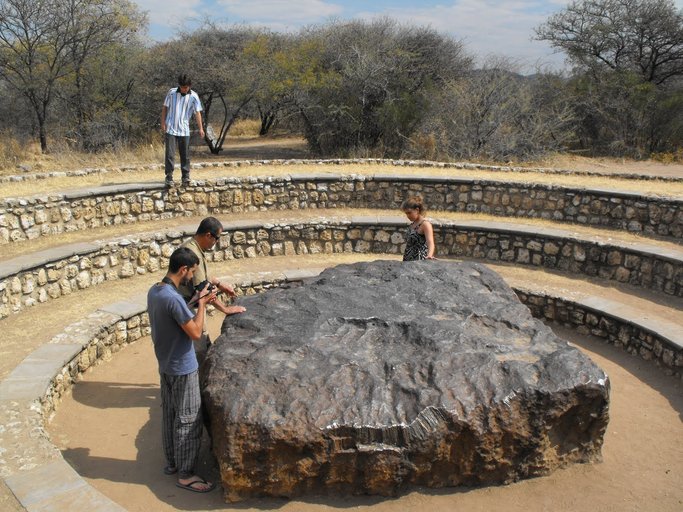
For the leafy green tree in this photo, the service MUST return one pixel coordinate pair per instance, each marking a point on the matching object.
(270, 97)
(384, 76)
(298, 78)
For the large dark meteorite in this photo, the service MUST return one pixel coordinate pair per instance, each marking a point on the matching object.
(379, 375)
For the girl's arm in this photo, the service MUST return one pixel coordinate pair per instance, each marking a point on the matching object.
(428, 232)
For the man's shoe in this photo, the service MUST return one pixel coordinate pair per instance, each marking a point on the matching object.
(186, 182)
(169, 183)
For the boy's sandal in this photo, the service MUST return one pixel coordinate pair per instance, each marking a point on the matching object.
(191, 485)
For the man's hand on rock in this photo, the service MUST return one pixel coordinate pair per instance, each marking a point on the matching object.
(233, 310)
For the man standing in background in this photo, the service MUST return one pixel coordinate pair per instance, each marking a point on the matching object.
(180, 103)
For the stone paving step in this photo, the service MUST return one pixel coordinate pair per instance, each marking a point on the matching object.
(38, 325)
(63, 487)
(639, 171)
(580, 289)
(39, 216)
(626, 304)
(35, 326)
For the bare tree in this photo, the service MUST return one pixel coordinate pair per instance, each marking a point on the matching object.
(44, 43)
(99, 26)
(225, 74)
(628, 57)
(34, 56)
(642, 36)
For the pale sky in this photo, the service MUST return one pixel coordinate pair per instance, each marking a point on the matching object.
(487, 27)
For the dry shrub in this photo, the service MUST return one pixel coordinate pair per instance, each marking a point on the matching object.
(12, 151)
(63, 157)
(423, 146)
(669, 157)
(245, 128)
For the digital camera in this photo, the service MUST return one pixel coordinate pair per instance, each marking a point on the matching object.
(205, 286)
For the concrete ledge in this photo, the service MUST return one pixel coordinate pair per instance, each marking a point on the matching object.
(339, 161)
(56, 486)
(84, 331)
(105, 190)
(669, 331)
(126, 309)
(37, 259)
(609, 320)
(298, 275)
(33, 376)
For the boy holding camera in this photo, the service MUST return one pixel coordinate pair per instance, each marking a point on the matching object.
(174, 326)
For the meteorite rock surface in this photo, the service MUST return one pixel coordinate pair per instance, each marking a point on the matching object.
(375, 376)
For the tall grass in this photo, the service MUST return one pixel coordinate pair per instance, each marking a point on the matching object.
(245, 128)
(25, 155)
(670, 157)
(16, 153)
(12, 151)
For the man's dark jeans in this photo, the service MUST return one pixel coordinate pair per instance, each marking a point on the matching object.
(183, 144)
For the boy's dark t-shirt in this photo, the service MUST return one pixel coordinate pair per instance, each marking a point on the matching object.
(172, 346)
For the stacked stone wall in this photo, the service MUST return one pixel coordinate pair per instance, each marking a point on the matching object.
(102, 336)
(31, 218)
(124, 258)
(620, 332)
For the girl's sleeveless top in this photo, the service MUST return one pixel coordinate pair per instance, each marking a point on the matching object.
(416, 244)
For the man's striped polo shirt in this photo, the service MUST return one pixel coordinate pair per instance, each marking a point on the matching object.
(180, 110)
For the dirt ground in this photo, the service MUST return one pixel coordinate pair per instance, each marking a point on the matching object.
(283, 148)
(641, 471)
(613, 166)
